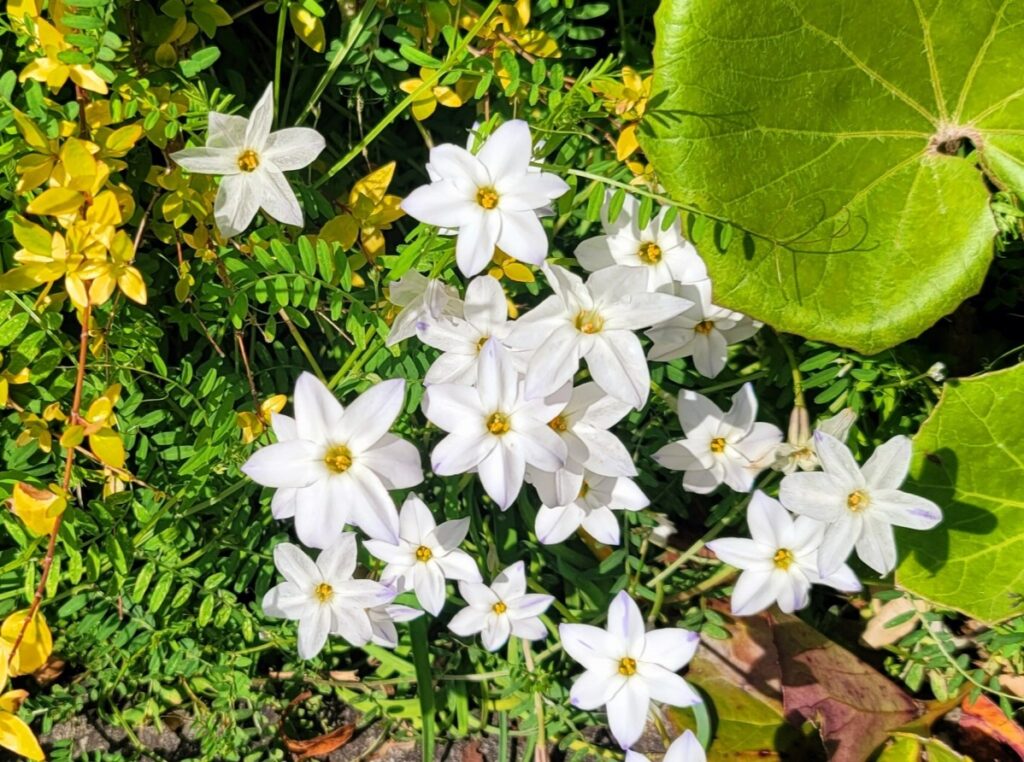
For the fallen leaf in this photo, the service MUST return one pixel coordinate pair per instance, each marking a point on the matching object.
(310, 748)
(854, 706)
(985, 716)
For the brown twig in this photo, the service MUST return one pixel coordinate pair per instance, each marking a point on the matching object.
(76, 404)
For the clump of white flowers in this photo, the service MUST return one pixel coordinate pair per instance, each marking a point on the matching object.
(506, 396)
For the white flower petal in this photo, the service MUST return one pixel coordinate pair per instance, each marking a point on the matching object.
(511, 582)
(836, 546)
(741, 553)
(497, 382)
(260, 120)
(522, 237)
(478, 236)
(837, 461)
(395, 461)
(686, 748)
(710, 352)
(460, 566)
(454, 408)
(371, 414)
(555, 525)
(530, 191)
(459, 453)
(670, 647)
(617, 363)
(627, 712)
(904, 509)
(277, 197)
(319, 519)
(501, 474)
(813, 494)
(286, 601)
(594, 689)
(753, 592)
(556, 364)
(428, 583)
(626, 623)
(529, 629)
(415, 520)
(876, 546)
(293, 463)
(225, 131)
(313, 631)
(373, 510)
(208, 160)
(666, 686)
(603, 526)
(591, 646)
(442, 204)
(468, 621)
(496, 632)
(338, 561)
(293, 147)
(888, 465)
(236, 204)
(486, 305)
(352, 624)
(317, 411)
(507, 151)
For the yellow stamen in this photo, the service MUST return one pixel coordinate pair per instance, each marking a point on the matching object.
(248, 160)
(588, 322)
(338, 459)
(704, 327)
(323, 592)
(627, 666)
(499, 608)
(718, 445)
(584, 491)
(487, 198)
(481, 342)
(498, 424)
(649, 253)
(423, 553)
(857, 501)
(783, 558)
(559, 424)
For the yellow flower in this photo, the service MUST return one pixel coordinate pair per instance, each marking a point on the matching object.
(439, 94)
(254, 424)
(54, 72)
(37, 508)
(33, 652)
(118, 271)
(15, 735)
(100, 420)
(627, 100)
(369, 211)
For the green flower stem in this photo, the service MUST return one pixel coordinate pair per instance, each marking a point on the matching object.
(541, 752)
(424, 682)
(451, 61)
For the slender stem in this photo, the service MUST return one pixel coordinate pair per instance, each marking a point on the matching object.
(425, 686)
(540, 753)
(282, 14)
(51, 548)
(303, 347)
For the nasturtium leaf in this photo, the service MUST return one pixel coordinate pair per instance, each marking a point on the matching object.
(969, 458)
(851, 140)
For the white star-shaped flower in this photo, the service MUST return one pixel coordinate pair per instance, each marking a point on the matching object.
(252, 161)
(592, 508)
(322, 596)
(704, 331)
(662, 252)
(501, 610)
(423, 300)
(780, 561)
(861, 505)
(686, 748)
(462, 339)
(337, 464)
(425, 554)
(593, 321)
(720, 447)
(627, 667)
(492, 428)
(490, 199)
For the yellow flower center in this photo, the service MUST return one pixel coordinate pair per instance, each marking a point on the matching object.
(588, 321)
(248, 160)
(424, 554)
(627, 666)
(338, 459)
(498, 424)
(704, 327)
(649, 253)
(499, 608)
(783, 558)
(487, 198)
(718, 445)
(584, 491)
(323, 592)
(481, 342)
(857, 501)
(559, 424)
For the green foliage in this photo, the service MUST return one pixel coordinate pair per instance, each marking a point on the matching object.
(859, 174)
(969, 458)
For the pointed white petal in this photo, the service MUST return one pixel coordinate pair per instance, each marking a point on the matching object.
(313, 631)
(593, 689)
(371, 414)
(627, 712)
(373, 510)
(428, 582)
(626, 623)
(460, 566)
(318, 413)
(591, 646)
(754, 591)
(285, 601)
(455, 408)
(666, 686)
(876, 546)
(617, 363)
(442, 204)
(840, 537)
(837, 461)
(671, 647)
(507, 151)
(602, 525)
(501, 474)
(888, 465)
(814, 494)
(395, 461)
(556, 364)
(296, 566)
(293, 463)
(496, 632)
(459, 453)
(904, 509)
(318, 518)
(741, 553)
(338, 561)
(478, 236)
(236, 204)
(277, 197)
(293, 147)
(208, 160)
(486, 305)
(225, 131)
(468, 621)
(522, 237)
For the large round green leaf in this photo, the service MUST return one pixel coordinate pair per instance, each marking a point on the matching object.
(969, 458)
(840, 134)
